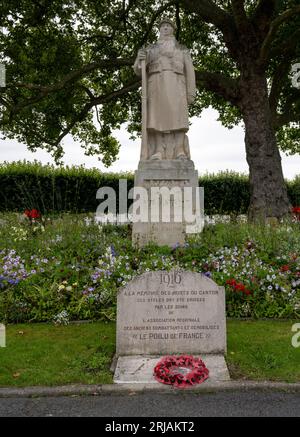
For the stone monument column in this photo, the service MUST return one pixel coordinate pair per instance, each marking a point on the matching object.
(168, 85)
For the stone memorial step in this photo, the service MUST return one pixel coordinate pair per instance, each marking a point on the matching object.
(137, 369)
(173, 312)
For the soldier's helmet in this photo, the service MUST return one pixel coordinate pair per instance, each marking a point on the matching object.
(167, 20)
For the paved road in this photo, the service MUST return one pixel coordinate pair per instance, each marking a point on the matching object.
(178, 405)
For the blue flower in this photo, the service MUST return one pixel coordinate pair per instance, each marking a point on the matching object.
(113, 251)
(208, 274)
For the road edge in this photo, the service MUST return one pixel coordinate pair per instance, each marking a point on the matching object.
(131, 389)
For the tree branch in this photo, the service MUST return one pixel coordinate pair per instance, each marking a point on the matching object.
(240, 17)
(129, 86)
(265, 49)
(73, 76)
(287, 49)
(263, 15)
(209, 11)
(106, 63)
(289, 45)
(213, 14)
(178, 21)
(277, 83)
(290, 116)
(220, 84)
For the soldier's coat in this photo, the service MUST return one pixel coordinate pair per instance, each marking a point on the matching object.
(170, 84)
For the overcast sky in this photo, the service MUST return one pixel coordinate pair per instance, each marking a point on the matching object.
(213, 148)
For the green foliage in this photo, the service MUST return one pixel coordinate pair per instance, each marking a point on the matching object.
(46, 188)
(43, 44)
(62, 189)
(72, 269)
(294, 191)
(225, 193)
(289, 139)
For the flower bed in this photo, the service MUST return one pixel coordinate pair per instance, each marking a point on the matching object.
(69, 268)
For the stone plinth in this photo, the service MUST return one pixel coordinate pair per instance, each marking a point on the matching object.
(173, 312)
(170, 174)
(139, 369)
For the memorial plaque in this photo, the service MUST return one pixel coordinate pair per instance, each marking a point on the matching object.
(172, 312)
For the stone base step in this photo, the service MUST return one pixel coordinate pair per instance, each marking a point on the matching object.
(139, 369)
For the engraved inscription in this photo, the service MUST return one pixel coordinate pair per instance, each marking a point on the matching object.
(175, 311)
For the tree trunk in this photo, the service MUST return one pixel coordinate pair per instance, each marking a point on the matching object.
(267, 187)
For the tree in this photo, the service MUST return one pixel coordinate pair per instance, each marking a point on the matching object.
(71, 62)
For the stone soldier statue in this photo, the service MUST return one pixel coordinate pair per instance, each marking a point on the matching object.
(171, 88)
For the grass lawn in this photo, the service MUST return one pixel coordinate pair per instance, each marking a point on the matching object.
(44, 354)
(262, 350)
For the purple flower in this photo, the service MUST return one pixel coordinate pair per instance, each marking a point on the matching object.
(113, 251)
(208, 274)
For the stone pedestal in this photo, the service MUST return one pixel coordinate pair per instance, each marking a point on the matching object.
(138, 369)
(163, 313)
(170, 174)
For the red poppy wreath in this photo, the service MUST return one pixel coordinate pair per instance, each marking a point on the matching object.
(181, 371)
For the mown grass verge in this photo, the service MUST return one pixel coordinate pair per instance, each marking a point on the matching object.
(43, 354)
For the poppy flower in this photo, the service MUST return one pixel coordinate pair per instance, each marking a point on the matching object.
(35, 214)
(296, 210)
(32, 213)
(196, 371)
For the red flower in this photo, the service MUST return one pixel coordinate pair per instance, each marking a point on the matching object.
(240, 287)
(35, 214)
(169, 371)
(296, 210)
(285, 268)
(32, 213)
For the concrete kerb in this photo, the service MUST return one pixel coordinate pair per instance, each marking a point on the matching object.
(131, 389)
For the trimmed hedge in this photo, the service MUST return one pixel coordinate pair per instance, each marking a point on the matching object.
(61, 189)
